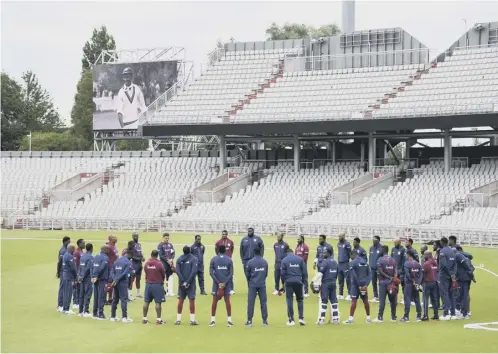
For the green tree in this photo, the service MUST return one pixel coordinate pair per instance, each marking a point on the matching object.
(48, 141)
(38, 107)
(82, 112)
(298, 31)
(26, 107)
(101, 40)
(13, 120)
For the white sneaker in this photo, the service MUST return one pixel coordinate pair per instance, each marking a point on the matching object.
(302, 323)
(454, 318)
(87, 315)
(321, 322)
(69, 312)
(467, 317)
(306, 295)
(130, 298)
(75, 306)
(402, 302)
(368, 320)
(59, 309)
(233, 292)
(430, 306)
(275, 292)
(348, 298)
(374, 300)
(127, 320)
(469, 314)
(458, 312)
(81, 315)
(412, 303)
(445, 318)
(290, 323)
(378, 320)
(115, 319)
(294, 295)
(171, 294)
(340, 297)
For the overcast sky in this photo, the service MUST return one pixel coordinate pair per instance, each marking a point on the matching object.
(47, 37)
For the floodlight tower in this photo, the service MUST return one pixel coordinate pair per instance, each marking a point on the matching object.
(348, 16)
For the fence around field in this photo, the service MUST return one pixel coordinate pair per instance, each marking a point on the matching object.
(419, 233)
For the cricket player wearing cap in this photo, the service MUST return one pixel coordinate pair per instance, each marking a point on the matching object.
(131, 102)
(221, 270)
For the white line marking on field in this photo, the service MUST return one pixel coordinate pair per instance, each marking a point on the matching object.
(482, 326)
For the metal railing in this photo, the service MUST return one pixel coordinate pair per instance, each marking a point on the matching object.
(419, 56)
(419, 233)
(158, 104)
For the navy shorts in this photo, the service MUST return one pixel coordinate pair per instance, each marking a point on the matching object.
(228, 288)
(190, 292)
(154, 292)
(355, 292)
(137, 267)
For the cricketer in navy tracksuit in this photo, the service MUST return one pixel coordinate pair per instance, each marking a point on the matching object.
(137, 260)
(344, 250)
(198, 250)
(122, 270)
(330, 270)
(85, 280)
(413, 278)
(375, 254)
(280, 252)
(388, 266)
(62, 252)
(458, 291)
(186, 269)
(464, 276)
(359, 274)
(256, 272)
(100, 271)
(362, 253)
(446, 276)
(166, 253)
(398, 254)
(69, 276)
(221, 271)
(415, 254)
(320, 253)
(294, 274)
(247, 246)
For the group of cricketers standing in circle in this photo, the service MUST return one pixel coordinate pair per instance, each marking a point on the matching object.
(446, 275)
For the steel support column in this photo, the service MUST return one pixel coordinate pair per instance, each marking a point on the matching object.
(297, 153)
(372, 149)
(223, 153)
(447, 151)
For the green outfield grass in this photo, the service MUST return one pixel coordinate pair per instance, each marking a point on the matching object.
(30, 322)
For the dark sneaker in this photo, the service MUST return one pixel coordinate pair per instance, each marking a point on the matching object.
(203, 292)
(424, 319)
(145, 321)
(194, 323)
(177, 323)
(212, 324)
(248, 324)
(160, 322)
(265, 323)
(404, 319)
(229, 324)
(435, 318)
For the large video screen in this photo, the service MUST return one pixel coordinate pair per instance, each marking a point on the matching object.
(121, 92)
